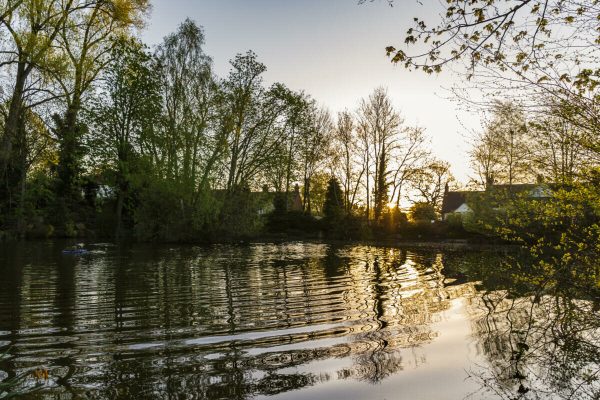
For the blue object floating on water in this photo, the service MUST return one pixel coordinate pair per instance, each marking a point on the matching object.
(75, 251)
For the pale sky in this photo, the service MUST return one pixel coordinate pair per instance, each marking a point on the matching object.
(334, 50)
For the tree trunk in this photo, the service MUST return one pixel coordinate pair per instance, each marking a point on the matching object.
(306, 200)
(368, 193)
(120, 203)
(68, 165)
(11, 165)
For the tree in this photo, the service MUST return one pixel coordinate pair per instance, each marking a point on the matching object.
(501, 154)
(410, 154)
(429, 183)
(380, 124)
(422, 211)
(318, 191)
(33, 27)
(558, 149)
(191, 143)
(85, 39)
(345, 158)
(333, 207)
(381, 197)
(288, 161)
(510, 129)
(36, 152)
(314, 148)
(122, 114)
(485, 158)
(251, 120)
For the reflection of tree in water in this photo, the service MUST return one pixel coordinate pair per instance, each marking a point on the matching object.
(406, 297)
(541, 343)
(396, 300)
(271, 313)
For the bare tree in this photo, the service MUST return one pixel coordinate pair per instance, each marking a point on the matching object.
(314, 146)
(501, 153)
(485, 158)
(429, 183)
(381, 125)
(346, 158)
(410, 154)
(558, 152)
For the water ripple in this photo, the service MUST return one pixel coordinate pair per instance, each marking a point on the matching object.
(226, 321)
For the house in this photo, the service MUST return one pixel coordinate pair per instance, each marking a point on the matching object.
(456, 202)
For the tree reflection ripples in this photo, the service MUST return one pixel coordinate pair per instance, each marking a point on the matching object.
(236, 322)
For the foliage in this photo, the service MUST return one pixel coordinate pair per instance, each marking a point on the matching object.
(162, 214)
(524, 37)
(185, 152)
(429, 183)
(122, 117)
(562, 233)
(422, 211)
(333, 207)
(97, 113)
(318, 191)
(240, 215)
(392, 222)
(293, 222)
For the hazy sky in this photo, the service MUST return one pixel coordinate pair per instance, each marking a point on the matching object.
(332, 49)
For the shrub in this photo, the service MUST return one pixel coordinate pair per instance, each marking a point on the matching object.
(422, 212)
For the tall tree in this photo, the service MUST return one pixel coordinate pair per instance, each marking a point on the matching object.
(86, 39)
(508, 128)
(381, 123)
(345, 156)
(409, 155)
(125, 110)
(559, 150)
(32, 28)
(297, 122)
(252, 119)
(314, 148)
(486, 158)
(192, 142)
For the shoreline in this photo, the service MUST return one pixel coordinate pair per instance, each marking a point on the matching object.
(434, 244)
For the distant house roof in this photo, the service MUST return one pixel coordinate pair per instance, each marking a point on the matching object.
(534, 189)
(453, 200)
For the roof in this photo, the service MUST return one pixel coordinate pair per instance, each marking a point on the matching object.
(453, 200)
(536, 190)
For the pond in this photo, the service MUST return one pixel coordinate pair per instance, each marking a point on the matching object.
(287, 321)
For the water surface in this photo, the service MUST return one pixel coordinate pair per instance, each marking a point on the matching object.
(277, 321)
